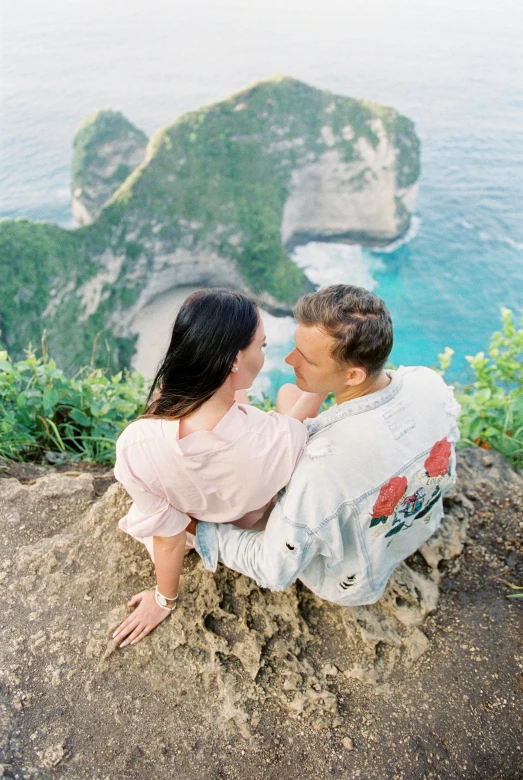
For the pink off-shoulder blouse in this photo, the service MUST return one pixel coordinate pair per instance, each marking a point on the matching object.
(225, 475)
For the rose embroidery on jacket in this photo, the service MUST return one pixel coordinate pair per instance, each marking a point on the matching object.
(401, 502)
(388, 498)
(437, 463)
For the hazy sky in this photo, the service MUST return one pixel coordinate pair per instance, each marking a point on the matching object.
(208, 42)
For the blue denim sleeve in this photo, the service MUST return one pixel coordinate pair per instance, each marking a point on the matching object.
(206, 544)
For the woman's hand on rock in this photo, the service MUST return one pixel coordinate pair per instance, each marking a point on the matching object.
(141, 622)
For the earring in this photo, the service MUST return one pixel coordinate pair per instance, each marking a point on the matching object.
(235, 369)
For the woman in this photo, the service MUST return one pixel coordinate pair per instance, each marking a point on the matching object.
(197, 452)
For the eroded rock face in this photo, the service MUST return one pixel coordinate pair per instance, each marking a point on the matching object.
(360, 200)
(107, 149)
(242, 673)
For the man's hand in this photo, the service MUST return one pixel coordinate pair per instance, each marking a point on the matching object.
(191, 528)
(145, 617)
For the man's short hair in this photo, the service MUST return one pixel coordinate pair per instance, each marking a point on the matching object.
(358, 320)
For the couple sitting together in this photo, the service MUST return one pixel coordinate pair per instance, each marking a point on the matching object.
(336, 499)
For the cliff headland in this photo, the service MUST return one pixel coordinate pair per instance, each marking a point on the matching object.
(218, 197)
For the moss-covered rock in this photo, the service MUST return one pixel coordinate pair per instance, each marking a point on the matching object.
(222, 195)
(34, 268)
(106, 150)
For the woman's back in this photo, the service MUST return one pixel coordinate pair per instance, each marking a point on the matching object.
(196, 452)
(218, 475)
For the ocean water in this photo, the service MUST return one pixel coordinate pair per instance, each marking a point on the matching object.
(454, 68)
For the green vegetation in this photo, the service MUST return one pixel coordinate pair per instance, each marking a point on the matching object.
(492, 406)
(42, 270)
(408, 145)
(35, 261)
(45, 412)
(225, 170)
(518, 588)
(78, 418)
(98, 130)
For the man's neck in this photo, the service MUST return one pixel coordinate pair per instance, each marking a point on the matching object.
(371, 385)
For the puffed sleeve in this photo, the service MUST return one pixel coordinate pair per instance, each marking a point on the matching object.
(296, 434)
(151, 513)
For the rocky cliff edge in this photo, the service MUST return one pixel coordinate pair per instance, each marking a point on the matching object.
(241, 682)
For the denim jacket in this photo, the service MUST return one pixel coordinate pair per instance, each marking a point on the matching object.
(366, 493)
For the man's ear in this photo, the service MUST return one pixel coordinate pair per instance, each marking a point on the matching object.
(355, 376)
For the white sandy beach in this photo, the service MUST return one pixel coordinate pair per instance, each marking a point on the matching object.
(153, 325)
(154, 322)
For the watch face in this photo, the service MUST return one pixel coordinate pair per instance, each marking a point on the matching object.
(162, 600)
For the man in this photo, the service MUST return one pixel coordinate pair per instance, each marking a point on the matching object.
(367, 491)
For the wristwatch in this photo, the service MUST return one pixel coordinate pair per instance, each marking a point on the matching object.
(163, 601)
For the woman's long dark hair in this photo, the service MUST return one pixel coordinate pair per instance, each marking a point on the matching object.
(211, 328)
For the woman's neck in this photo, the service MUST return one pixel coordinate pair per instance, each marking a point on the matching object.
(209, 414)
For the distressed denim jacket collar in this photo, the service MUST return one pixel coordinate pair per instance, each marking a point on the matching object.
(356, 406)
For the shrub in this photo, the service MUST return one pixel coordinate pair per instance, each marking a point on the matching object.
(492, 405)
(46, 414)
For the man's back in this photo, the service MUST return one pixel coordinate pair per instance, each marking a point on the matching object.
(370, 484)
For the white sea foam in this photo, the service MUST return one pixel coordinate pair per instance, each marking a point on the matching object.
(261, 387)
(327, 264)
(324, 264)
(488, 237)
(279, 332)
(277, 329)
(411, 233)
(514, 244)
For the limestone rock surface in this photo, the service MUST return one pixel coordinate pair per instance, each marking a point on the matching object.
(232, 657)
(69, 555)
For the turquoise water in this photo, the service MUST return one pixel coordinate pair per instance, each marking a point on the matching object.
(456, 70)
